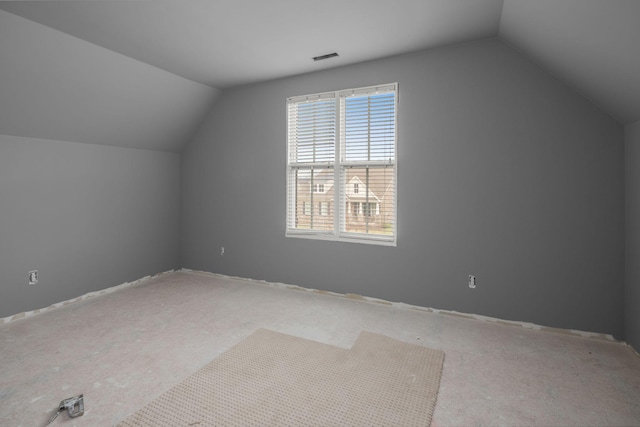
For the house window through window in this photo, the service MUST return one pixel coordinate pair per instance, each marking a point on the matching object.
(323, 208)
(341, 151)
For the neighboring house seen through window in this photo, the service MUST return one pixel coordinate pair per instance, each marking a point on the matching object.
(342, 153)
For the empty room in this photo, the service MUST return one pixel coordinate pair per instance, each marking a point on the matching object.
(322, 213)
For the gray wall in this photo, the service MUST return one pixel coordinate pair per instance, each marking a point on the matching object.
(632, 266)
(86, 216)
(503, 172)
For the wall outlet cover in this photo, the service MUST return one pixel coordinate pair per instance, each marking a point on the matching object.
(472, 281)
(33, 277)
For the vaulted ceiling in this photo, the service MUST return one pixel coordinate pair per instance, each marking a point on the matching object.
(222, 43)
(209, 45)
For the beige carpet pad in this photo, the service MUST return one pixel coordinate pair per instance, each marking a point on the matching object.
(274, 379)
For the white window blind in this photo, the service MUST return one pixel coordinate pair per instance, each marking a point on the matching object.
(345, 143)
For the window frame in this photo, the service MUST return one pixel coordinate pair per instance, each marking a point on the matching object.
(338, 232)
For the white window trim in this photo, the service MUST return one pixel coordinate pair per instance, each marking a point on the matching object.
(339, 197)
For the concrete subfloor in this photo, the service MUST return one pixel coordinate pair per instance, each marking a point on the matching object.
(123, 349)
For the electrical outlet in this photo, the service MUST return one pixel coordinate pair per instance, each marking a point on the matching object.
(221, 250)
(33, 277)
(472, 281)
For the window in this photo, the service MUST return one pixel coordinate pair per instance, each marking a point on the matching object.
(323, 208)
(355, 208)
(369, 209)
(348, 140)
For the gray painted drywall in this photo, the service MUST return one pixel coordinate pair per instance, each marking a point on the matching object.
(87, 217)
(503, 172)
(55, 86)
(632, 252)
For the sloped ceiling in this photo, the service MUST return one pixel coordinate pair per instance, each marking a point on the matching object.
(57, 87)
(143, 73)
(592, 45)
(223, 43)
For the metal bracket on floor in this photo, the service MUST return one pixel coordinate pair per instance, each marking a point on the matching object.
(73, 405)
